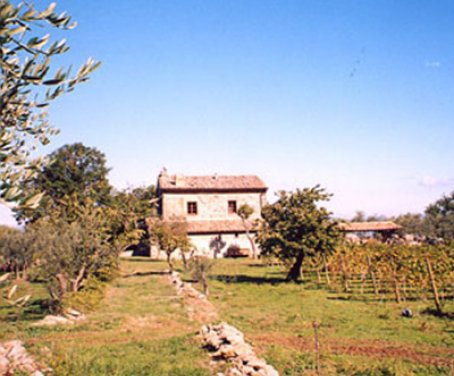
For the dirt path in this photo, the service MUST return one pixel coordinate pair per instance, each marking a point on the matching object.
(138, 306)
(428, 355)
(197, 306)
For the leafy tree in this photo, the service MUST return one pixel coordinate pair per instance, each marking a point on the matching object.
(415, 224)
(131, 209)
(73, 252)
(74, 171)
(169, 236)
(28, 84)
(440, 217)
(245, 211)
(359, 216)
(200, 267)
(8, 245)
(295, 227)
(19, 249)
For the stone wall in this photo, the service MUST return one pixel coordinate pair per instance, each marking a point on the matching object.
(206, 244)
(202, 245)
(210, 206)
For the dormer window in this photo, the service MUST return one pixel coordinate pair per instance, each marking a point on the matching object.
(192, 208)
(232, 207)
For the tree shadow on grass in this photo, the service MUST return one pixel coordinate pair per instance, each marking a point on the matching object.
(241, 278)
(263, 265)
(144, 274)
(140, 259)
(434, 312)
(36, 310)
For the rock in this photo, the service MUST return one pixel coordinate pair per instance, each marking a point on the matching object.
(270, 371)
(73, 312)
(234, 372)
(15, 359)
(4, 365)
(407, 312)
(226, 352)
(51, 320)
(257, 363)
(213, 341)
(229, 344)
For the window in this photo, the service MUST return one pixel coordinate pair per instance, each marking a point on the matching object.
(232, 207)
(192, 207)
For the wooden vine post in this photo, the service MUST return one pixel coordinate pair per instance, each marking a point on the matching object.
(433, 286)
(372, 275)
(318, 369)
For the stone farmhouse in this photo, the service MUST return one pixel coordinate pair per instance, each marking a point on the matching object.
(209, 204)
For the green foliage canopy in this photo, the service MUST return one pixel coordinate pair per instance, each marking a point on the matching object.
(72, 174)
(169, 236)
(295, 227)
(440, 217)
(28, 84)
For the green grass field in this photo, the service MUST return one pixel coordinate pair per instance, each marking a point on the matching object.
(141, 327)
(357, 337)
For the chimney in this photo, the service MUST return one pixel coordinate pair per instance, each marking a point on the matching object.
(215, 175)
(164, 172)
(178, 180)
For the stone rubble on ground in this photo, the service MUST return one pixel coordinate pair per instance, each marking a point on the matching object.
(185, 288)
(227, 343)
(70, 317)
(14, 358)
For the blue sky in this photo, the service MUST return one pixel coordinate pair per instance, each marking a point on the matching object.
(355, 95)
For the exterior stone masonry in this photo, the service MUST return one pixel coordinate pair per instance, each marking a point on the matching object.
(208, 204)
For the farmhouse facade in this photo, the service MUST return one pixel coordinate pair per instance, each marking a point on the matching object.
(209, 205)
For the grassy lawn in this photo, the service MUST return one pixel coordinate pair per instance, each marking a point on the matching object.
(141, 328)
(357, 336)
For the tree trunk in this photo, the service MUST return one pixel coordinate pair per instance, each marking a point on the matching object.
(325, 265)
(319, 277)
(249, 237)
(76, 282)
(169, 261)
(433, 285)
(295, 272)
(185, 261)
(205, 284)
(24, 272)
(63, 286)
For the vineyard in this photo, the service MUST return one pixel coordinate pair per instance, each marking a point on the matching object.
(384, 271)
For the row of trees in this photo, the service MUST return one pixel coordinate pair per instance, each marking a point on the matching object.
(79, 227)
(302, 234)
(437, 222)
(67, 233)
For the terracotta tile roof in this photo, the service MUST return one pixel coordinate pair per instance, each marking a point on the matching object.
(217, 227)
(216, 183)
(368, 226)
